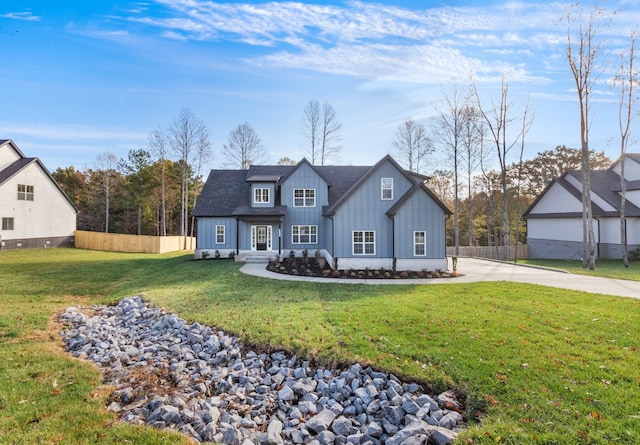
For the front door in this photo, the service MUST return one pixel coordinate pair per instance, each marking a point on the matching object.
(261, 238)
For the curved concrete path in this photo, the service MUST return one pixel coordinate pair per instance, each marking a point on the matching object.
(475, 270)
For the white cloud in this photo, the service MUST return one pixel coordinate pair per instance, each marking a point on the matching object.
(25, 15)
(65, 132)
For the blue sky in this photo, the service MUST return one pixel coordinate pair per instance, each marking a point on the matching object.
(80, 78)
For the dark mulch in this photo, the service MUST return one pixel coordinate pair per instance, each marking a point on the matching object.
(310, 267)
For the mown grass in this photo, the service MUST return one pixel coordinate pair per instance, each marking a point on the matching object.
(539, 365)
(604, 268)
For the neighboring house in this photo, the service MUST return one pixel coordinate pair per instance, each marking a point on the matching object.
(554, 220)
(358, 216)
(34, 210)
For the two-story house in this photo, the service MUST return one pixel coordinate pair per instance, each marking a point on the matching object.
(34, 210)
(554, 219)
(358, 216)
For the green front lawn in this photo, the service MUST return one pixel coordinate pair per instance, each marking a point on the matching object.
(604, 268)
(539, 365)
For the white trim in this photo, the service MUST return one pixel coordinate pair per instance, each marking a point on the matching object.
(364, 243)
(310, 234)
(260, 196)
(304, 197)
(389, 187)
(254, 237)
(423, 244)
(223, 233)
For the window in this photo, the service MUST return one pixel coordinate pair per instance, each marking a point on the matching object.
(364, 242)
(261, 196)
(304, 197)
(25, 192)
(7, 223)
(419, 243)
(304, 234)
(387, 188)
(219, 234)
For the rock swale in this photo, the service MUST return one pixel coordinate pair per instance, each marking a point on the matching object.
(202, 382)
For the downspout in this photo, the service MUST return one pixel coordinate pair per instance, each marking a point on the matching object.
(598, 243)
(237, 237)
(393, 236)
(280, 237)
(333, 240)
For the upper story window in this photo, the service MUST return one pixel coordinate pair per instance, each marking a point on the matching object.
(387, 188)
(304, 197)
(261, 196)
(419, 243)
(25, 192)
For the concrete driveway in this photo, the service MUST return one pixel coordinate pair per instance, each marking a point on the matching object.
(475, 270)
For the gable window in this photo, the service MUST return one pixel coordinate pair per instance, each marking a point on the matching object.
(419, 243)
(304, 234)
(25, 192)
(304, 197)
(219, 234)
(364, 242)
(387, 188)
(7, 223)
(261, 196)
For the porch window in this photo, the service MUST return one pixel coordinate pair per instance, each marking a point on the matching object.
(387, 188)
(304, 234)
(304, 197)
(419, 243)
(219, 234)
(261, 196)
(25, 192)
(7, 223)
(364, 242)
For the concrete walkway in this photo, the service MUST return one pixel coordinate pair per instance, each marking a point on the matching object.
(475, 270)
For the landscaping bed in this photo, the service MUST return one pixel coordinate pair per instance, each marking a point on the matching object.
(318, 267)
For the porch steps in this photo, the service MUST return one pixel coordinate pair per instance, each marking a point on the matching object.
(257, 259)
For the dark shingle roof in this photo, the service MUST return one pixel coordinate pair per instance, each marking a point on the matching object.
(14, 168)
(226, 192)
(604, 183)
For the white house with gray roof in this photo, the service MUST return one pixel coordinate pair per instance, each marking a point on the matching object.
(359, 216)
(554, 219)
(34, 210)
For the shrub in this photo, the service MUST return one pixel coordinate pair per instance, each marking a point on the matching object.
(205, 254)
(232, 255)
(216, 254)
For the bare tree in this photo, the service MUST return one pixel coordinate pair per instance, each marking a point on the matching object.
(448, 132)
(321, 128)
(582, 52)
(159, 146)
(311, 127)
(626, 80)
(472, 141)
(412, 144)
(498, 118)
(105, 171)
(244, 148)
(187, 135)
(330, 141)
(526, 126)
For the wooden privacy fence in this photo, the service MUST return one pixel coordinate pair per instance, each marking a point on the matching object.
(117, 242)
(492, 252)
